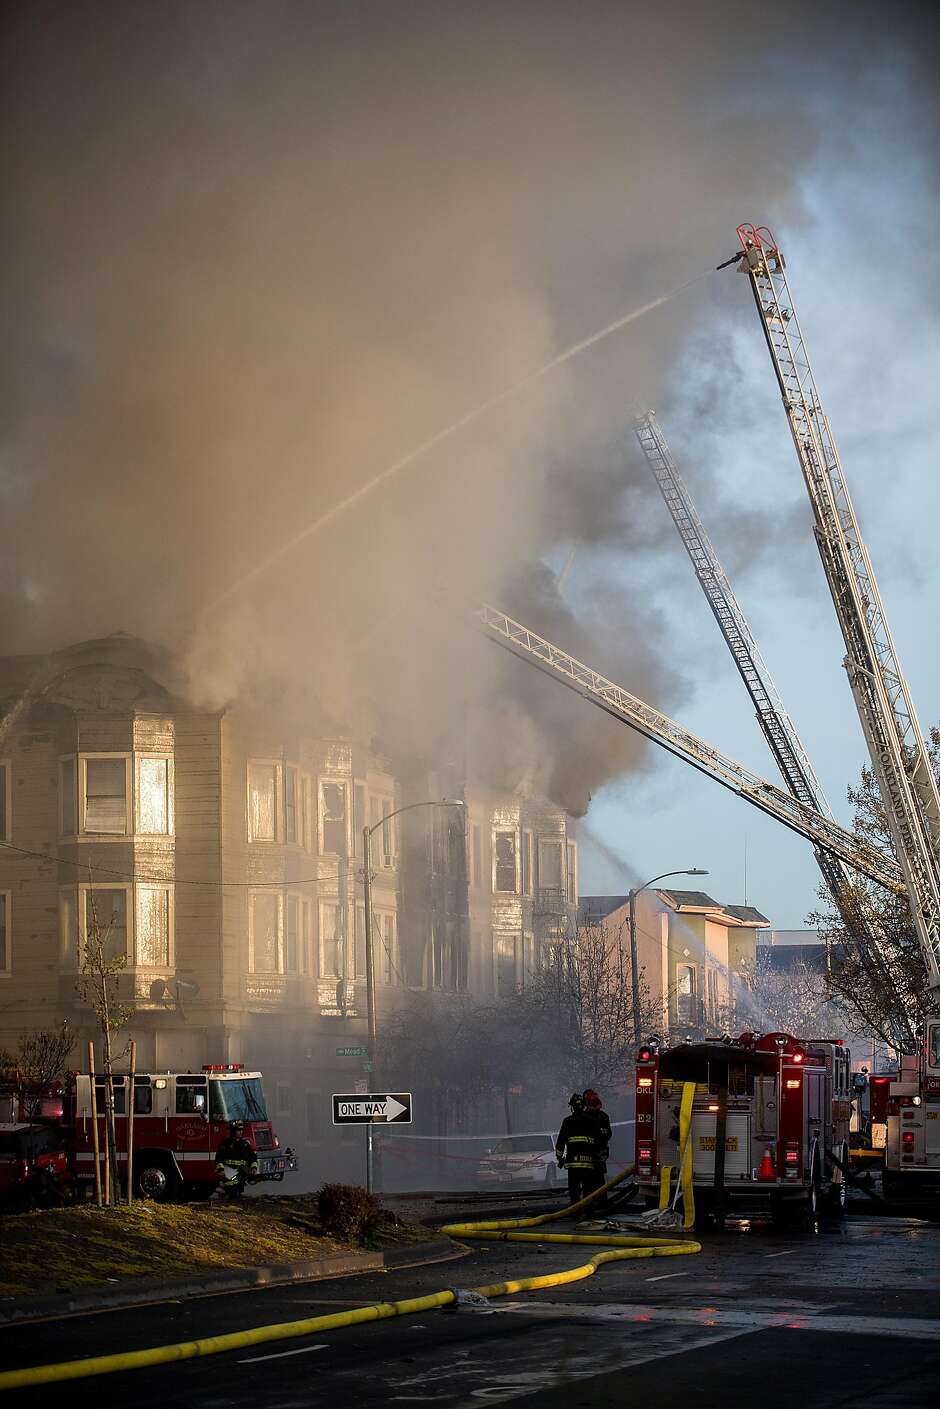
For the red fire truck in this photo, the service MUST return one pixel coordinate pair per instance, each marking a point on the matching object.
(180, 1119)
(769, 1123)
(912, 1141)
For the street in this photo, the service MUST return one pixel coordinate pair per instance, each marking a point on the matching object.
(842, 1316)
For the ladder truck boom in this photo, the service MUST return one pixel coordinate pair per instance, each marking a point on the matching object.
(889, 721)
(777, 727)
(800, 817)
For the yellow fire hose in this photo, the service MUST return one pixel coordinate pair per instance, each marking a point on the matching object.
(622, 1247)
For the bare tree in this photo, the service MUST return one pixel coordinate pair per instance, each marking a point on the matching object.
(100, 967)
(798, 1000)
(876, 1001)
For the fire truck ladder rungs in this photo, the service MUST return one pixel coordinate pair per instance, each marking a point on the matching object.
(822, 831)
(889, 721)
(775, 723)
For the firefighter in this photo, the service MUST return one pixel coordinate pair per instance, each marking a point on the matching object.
(235, 1160)
(594, 1108)
(576, 1149)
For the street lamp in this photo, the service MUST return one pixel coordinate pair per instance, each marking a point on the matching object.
(370, 951)
(634, 963)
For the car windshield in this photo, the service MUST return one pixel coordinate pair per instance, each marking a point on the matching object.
(237, 1100)
(523, 1145)
(934, 1046)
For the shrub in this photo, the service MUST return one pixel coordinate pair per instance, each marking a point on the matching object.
(348, 1210)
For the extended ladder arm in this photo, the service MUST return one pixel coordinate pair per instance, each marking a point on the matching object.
(615, 700)
(796, 770)
(889, 721)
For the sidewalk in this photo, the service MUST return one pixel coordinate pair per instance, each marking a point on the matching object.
(147, 1291)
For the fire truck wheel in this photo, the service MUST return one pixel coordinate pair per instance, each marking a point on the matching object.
(155, 1178)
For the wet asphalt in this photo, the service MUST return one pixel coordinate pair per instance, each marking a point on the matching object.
(837, 1316)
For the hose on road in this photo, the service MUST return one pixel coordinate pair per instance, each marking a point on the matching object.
(621, 1247)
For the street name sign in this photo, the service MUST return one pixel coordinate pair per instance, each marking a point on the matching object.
(356, 1108)
(352, 1051)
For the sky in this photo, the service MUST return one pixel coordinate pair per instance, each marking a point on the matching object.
(263, 254)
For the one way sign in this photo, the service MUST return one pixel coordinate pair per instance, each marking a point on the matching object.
(373, 1109)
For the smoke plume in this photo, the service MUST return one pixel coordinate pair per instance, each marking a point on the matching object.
(255, 254)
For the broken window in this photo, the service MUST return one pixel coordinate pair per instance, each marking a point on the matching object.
(504, 862)
(333, 818)
(685, 992)
(153, 801)
(262, 802)
(152, 936)
(265, 933)
(106, 795)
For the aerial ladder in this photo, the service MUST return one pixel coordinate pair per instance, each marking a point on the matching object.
(889, 721)
(777, 727)
(801, 817)
(899, 756)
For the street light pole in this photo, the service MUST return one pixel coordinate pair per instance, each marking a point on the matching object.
(634, 960)
(370, 949)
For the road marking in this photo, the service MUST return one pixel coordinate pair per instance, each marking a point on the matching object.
(304, 1350)
(665, 1276)
(788, 1253)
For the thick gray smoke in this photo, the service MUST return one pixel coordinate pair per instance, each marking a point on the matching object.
(255, 253)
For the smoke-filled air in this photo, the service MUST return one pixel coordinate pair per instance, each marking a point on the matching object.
(259, 257)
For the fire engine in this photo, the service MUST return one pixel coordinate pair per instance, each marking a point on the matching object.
(912, 1142)
(768, 1125)
(180, 1119)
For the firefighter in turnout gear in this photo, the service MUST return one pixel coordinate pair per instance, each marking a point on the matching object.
(235, 1160)
(594, 1108)
(576, 1149)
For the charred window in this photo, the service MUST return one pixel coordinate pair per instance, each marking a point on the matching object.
(333, 818)
(685, 993)
(504, 862)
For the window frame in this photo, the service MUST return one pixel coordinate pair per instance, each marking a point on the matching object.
(527, 878)
(82, 785)
(277, 765)
(130, 912)
(557, 843)
(6, 795)
(330, 782)
(335, 905)
(140, 887)
(268, 892)
(302, 902)
(146, 756)
(505, 832)
(6, 967)
(298, 838)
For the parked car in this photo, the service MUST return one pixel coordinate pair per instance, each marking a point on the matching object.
(34, 1166)
(521, 1160)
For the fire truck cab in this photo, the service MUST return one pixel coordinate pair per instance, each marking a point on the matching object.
(768, 1127)
(180, 1120)
(912, 1143)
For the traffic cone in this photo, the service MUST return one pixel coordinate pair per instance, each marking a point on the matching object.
(767, 1170)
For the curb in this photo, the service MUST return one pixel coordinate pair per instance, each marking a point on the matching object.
(234, 1279)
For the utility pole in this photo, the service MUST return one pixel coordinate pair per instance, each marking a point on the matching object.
(370, 985)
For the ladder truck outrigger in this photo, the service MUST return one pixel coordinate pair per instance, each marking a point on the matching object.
(899, 755)
(779, 732)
